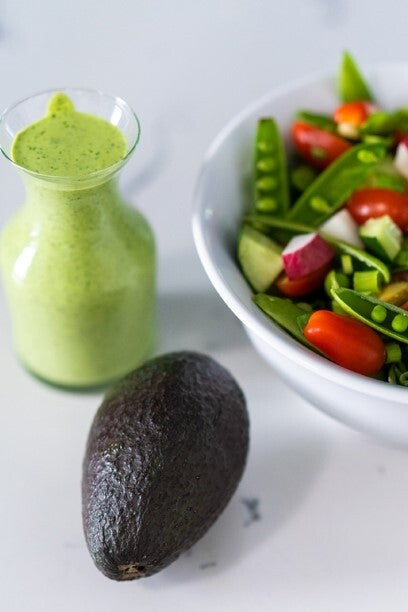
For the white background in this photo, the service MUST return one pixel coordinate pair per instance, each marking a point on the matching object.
(333, 534)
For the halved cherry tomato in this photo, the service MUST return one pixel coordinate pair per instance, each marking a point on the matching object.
(353, 113)
(303, 285)
(346, 341)
(317, 146)
(372, 202)
(404, 306)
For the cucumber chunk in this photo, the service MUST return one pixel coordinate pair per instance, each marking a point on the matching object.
(382, 237)
(259, 258)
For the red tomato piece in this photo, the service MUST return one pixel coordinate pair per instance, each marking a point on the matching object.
(303, 285)
(372, 202)
(346, 341)
(353, 113)
(317, 146)
(404, 306)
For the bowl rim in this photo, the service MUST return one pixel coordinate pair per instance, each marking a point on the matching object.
(266, 330)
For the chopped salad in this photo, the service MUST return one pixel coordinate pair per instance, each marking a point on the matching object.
(325, 243)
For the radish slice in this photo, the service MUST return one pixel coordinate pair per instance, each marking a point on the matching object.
(306, 253)
(401, 158)
(343, 227)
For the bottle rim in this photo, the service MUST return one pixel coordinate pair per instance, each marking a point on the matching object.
(96, 176)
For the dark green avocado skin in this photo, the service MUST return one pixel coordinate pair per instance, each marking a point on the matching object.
(165, 453)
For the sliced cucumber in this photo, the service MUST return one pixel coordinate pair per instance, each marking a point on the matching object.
(382, 237)
(259, 258)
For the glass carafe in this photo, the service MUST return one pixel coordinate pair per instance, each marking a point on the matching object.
(78, 263)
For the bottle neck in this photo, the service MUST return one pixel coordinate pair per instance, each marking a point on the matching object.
(69, 204)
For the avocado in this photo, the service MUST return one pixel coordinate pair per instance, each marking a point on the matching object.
(165, 453)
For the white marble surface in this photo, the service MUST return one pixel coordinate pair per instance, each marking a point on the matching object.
(332, 533)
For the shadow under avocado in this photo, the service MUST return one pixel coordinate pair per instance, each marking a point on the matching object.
(276, 483)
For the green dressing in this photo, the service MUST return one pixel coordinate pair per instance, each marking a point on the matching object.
(68, 143)
(78, 263)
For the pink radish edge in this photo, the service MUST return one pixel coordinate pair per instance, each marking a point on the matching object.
(305, 254)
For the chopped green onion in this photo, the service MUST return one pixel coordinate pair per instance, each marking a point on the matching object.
(394, 353)
(393, 374)
(347, 264)
(403, 379)
(367, 281)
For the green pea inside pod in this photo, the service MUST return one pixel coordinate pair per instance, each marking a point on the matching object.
(387, 319)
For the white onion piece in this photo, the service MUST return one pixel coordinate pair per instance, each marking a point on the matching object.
(343, 227)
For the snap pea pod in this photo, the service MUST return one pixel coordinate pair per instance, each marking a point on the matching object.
(271, 175)
(279, 229)
(351, 84)
(364, 259)
(270, 221)
(384, 123)
(302, 176)
(401, 119)
(386, 141)
(335, 184)
(387, 181)
(380, 123)
(288, 315)
(323, 122)
(385, 318)
(385, 175)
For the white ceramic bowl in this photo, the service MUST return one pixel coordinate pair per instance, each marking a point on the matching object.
(222, 197)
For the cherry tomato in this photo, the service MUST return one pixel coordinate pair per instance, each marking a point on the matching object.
(372, 202)
(404, 306)
(303, 285)
(317, 146)
(346, 341)
(353, 113)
